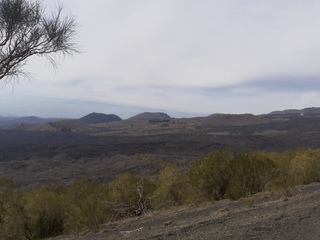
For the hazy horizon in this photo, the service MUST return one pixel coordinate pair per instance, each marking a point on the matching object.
(68, 108)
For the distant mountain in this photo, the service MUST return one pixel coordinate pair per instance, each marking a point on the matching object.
(30, 120)
(94, 118)
(294, 113)
(154, 117)
(149, 116)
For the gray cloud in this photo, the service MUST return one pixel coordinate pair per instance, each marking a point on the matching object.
(190, 56)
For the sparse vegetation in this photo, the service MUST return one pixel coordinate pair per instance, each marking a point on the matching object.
(129, 195)
(171, 188)
(44, 211)
(11, 212)
(208, 178)
(85, 205)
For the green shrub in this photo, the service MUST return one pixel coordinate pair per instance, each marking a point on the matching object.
(87, 208)
(295, 167)
(223, 174)
(305, 167)
(171, 190)
(130, 195)
(45, 210)
(249, 173)
(208, 178)
(282, 181)
(11, 212)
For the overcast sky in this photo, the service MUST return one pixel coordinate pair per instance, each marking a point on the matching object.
(183, 57)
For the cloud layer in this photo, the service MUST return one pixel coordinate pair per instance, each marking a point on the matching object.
(189, 56)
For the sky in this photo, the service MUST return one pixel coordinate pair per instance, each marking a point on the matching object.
(182, 57)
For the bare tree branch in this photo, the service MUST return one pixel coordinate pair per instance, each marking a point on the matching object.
(26, 31)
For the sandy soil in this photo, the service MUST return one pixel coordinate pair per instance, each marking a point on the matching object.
(264, 216)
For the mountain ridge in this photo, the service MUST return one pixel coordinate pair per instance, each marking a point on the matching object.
(96, 118)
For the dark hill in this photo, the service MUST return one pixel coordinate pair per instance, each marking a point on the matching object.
(149, 116)
(30, 120)
(94, 118)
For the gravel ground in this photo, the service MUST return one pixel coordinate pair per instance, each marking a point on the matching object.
(264, 216)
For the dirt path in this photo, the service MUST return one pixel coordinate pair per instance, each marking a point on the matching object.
(263, 217)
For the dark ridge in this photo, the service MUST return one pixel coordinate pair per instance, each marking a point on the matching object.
(149, 116)
(94, 118)
(295, 113)
(30, 119)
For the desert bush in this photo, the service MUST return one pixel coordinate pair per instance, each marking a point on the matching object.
(249, 173)
(282, 181)
(171, 190)
(305, 167)
(295, 167)
(45, 210)
(11, 212)
(6, 185)
(87, 207)
(130, 195)
(223, 174)
(208, 178)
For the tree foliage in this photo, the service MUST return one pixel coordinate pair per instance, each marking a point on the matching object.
(25, 31)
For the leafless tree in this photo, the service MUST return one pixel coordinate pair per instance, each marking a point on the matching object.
(26, 30)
